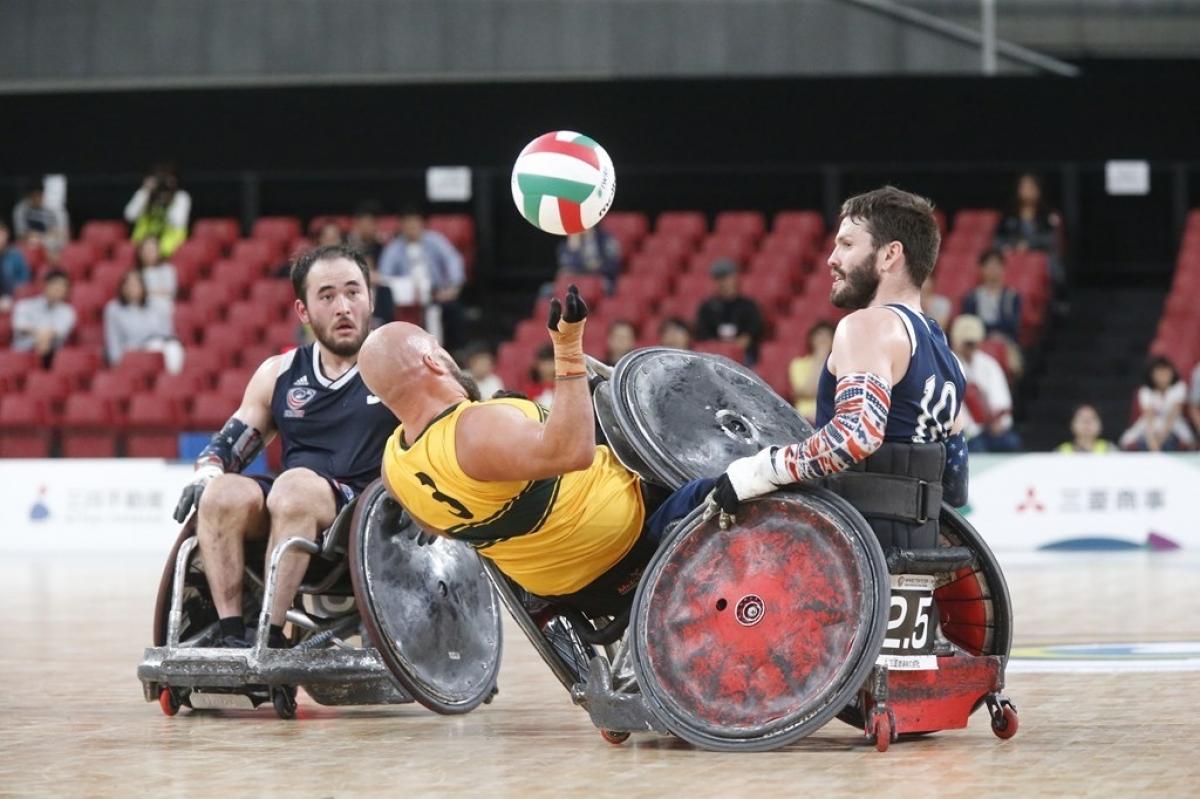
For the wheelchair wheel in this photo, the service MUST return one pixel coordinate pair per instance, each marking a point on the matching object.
(751, 638)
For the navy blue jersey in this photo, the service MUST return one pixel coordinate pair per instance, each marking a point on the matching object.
(925, 402)
(337, 428)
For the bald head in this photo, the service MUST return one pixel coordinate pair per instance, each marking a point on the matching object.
(405, 367)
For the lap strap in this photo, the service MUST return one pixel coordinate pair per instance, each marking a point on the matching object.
(888, 496)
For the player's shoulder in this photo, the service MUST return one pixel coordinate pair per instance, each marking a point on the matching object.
(878, 320)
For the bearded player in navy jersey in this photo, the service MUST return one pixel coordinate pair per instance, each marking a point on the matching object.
(333, 431)
(888, 434)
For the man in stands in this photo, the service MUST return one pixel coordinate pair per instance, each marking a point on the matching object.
(428, 258)
(42, 324)
(530, 489)
(333, 433)
(729, 316)
(889, 394)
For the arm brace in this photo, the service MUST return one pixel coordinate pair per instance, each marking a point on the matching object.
(861, 404)
(954, 478)
(233, 448)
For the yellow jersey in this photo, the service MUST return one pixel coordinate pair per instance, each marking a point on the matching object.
(552, 536)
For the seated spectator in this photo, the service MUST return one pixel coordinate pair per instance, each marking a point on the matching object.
(999, 306)
(481, 366)
(1160, 425)
(432, 271)
(936, 306)
(37, 224)
(42, 324)
(540, 388)
(996, 433)
(132, 322)
(1030, 224)
(675, 333)
(622, 339)
(804, 372)
(14, 269)
(364, 233)
(329, 234)
(1194, 399)
(158, 274)
(160, 210)
(1086, 428)
(727, 315)
(592, 252)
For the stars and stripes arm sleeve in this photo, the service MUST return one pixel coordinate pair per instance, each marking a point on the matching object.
(861, 404)
(954, 478)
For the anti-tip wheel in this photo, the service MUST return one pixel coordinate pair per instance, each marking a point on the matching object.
(882, 729)
(1005, 723)
(614, 738)
(285, 703)
(170, 704)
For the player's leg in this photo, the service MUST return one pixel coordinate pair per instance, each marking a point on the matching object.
(301, 503)
(232, 512)
(679, 504)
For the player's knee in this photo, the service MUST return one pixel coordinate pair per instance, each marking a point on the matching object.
(298, 492)
(230, 494)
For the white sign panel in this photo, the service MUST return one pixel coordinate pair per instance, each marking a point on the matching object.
(1117, 501)
(448, 184)
(1127, 177)
(89, 505)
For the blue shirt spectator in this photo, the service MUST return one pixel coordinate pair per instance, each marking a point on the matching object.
(418, 252)
(992, 301)
(14, 270)
(592, 252)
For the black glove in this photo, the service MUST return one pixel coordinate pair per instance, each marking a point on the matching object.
(724, 494)
(576, 309)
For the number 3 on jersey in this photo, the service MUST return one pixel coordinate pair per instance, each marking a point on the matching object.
(935, 422)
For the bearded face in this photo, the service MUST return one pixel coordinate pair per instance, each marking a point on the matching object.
(855, 284)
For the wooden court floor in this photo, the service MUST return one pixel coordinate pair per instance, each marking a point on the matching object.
(73, 722)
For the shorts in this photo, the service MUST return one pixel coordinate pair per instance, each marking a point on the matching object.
(342, 493)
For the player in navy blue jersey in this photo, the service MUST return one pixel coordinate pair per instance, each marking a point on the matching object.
(333, 432)
(890, 378)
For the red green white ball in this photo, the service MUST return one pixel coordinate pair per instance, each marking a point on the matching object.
(563, 182)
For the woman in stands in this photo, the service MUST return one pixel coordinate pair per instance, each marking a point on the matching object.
(158, 275)
(805, 372)
(1160, 426)
(1032, 225)
(132, 322)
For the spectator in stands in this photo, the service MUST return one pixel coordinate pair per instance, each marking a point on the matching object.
(37, 224)
(999, 306)
(1031, 225)
(936, 306)
(622, 338)
(1160, 425)
(42, 324)
(728, 316)
(804, 372)
(157, 273)
(427, 258)
(1194, 399)
(14, 270)
(592, 252)
(384, 309)
(1086, 429)
(133, 322)
(675, 333)
(364, 232)
(541, 377)
(160, 210)
(329, 235)
(481, 365)
(984, 373)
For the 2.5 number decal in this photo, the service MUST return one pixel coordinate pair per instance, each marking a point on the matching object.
(908, 621)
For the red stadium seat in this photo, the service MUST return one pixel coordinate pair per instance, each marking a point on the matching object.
(695, 284)
(774, 363)
(791, 333)
(209, 299)
(222, 232)
(88, 300)
(238, 274)
(187, 323)
(591, 288)
(628, 228)
(233, 382)
(684, 307)
(789, 267)
(90, 427)
(77, 364)
(460, 230)
(999, 351)
(650, 286)
(153, 427)
(689, 225)
(103, 234)
(211, 410)
(14, 367)
(252, 357)
(662, 266)
(726, 245)
(203, 250)
(318, 223)
(531, 332)
(743, 224)
(141, 365)
(628, 304)
(34, 256)
(114, 388)
(6, 331)
(224, 340)
(206, 363)
(107, 276)
(24, 427)
(181, 388)
(247, 317)
(280, 335)
(49, 388)
(513, 361)
(125, 254)
(977, 220)
(276, 297)
(771, 291)
(77, 258)
(669, 245)
(282, 230)
(809, 224)
(258, 254)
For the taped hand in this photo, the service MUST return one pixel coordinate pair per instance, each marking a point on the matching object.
(566, 324)
(745, 479)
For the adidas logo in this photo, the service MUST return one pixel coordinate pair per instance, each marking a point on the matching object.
(303, 381)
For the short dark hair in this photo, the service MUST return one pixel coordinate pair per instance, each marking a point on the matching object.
(820, 325)
(1157, 362)
(891, 214)
(304, 263)
(674, 321)
(989, 254)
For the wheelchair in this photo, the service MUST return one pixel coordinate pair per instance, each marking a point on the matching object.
(751, 638)
(378, 620)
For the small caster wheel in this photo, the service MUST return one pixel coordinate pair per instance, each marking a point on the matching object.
(882, 730)
(614, 738)
(170, 703)
(284, 700)
(492, 695)
(1005, 723)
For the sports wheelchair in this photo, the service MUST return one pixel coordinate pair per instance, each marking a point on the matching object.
(752, 637)
(426, 621)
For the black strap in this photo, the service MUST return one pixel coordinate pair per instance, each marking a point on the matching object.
(889, 496)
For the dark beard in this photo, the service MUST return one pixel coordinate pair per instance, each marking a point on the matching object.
(858, 285)
(342, 350)
(465, 380)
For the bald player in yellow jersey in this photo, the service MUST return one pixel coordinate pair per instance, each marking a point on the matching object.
(530, 489)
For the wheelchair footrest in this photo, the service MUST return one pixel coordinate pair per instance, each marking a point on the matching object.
(942, 698)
